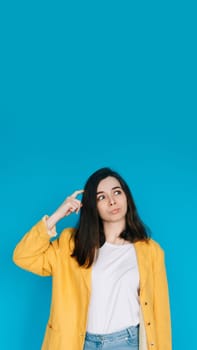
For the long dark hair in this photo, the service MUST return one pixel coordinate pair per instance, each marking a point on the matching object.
(89, 235)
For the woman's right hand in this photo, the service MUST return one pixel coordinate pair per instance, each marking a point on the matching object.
(70, 205)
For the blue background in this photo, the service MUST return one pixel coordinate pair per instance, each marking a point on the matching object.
(86, 85)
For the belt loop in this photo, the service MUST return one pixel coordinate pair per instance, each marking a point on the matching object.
(133, 330)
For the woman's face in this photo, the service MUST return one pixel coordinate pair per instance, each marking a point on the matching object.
(111, 200)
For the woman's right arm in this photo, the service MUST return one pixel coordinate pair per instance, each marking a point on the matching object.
(35, 252)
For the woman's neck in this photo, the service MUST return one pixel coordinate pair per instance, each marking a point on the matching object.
(112, 232)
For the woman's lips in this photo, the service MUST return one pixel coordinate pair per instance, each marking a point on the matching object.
(115, 211)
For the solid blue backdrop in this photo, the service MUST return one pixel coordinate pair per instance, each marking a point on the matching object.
(86, 85)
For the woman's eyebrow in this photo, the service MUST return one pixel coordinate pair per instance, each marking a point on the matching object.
(113, 188)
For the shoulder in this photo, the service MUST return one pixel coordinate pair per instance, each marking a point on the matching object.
(156, 250)
(155, 245)
(151, 247)
(65, 241)
(67, 234)
(150, 244)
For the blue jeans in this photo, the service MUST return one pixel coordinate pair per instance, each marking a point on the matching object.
(127, 339)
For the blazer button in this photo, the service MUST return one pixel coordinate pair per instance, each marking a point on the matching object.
(145, 303)
(148, 323)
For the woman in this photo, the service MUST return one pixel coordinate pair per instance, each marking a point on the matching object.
(110, 288)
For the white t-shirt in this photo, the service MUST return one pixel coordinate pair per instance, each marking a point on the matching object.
(114, 303)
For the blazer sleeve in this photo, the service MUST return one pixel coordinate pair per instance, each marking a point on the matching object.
(161, 302)
(35, 252)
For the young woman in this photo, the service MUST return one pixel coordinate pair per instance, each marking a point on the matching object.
(110, 288)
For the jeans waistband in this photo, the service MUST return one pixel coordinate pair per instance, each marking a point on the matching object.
(132, 330)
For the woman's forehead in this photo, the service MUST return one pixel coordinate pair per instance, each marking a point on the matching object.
(107, 184)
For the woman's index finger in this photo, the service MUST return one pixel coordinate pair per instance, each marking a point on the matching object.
(76, 193)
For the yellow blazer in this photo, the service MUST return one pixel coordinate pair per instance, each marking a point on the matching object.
(71, 289)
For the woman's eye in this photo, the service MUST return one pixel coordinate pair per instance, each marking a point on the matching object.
(100, 198)
(117, 192)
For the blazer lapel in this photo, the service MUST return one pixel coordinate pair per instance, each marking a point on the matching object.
(86, 274)
(143, 261)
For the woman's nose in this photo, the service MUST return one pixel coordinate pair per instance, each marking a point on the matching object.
(112, 201)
